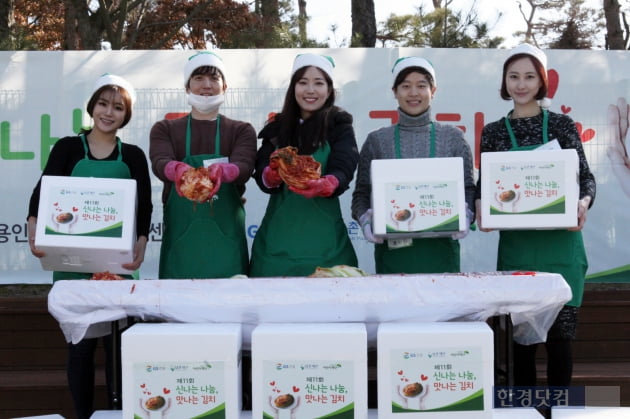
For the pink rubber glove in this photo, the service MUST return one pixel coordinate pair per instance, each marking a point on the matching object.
(322, 187)
(215, 173)
(230, 171)
(271, 178)
(174, 170)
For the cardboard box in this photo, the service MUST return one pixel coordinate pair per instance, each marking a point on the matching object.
(182, 370)
(418, 197)
(311, 370)
(529, 189)
(86, 224)
(435, 370)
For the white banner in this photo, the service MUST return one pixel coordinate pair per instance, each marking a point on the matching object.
(43, 97)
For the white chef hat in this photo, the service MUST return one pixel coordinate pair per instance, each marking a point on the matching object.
(540, 56)
(200, 59)
(323, 62)
(406, 62)
(112, 79)
(530, 50)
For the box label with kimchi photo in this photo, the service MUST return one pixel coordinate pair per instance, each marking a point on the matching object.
(435, 370)
(529, 189)
(86, 224)
(418, 197)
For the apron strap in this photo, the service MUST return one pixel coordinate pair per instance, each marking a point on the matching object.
(217, 136)
(87, 149)
(545, 128)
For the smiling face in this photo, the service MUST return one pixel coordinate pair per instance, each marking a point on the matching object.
(110, 112)
(206, 83)
(311, 91)
(414, 93)
(522, 81)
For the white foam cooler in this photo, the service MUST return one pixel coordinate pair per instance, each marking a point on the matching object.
(312, 370)
(435, 370)
(181, 370)
(418, 197)
(86, 224)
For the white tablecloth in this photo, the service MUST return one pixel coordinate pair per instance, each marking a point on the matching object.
(532, 300)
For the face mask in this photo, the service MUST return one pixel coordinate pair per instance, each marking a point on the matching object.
(205, 104)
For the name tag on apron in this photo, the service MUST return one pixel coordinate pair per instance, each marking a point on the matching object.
(551, 145)
(208, 162)
(398, 243)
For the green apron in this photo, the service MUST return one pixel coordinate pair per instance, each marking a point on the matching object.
(116, 169)
(424, 255)
(299, 234)
(555, 251)
(204, 240)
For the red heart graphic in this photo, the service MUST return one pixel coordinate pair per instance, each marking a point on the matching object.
(516, 186)
(149, 393)
(74, 209)
(400, 372)
(143, 385)
(411, 205)
(296, 389)
(587, 135)
(497, 182)
(553, 81)
(273, 383)
(56, 203)
(406, 379)
(565, 109)
(166, 391)
(423, 377)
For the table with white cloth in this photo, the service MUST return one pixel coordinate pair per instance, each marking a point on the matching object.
(532, 300)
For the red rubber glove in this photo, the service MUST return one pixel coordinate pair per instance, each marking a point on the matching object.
(322, 187)
(270, 177)
(174, 170)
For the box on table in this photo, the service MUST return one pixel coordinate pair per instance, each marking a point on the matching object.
(529, 189)
(435, 370)
(310, 370)
(418, 197)
(86, 224)
(182, 370)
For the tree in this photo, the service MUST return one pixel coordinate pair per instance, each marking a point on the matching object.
(135, 24)
(363, 23)
(441, 28)
(571, 26)
(615, 38)
(6, 22)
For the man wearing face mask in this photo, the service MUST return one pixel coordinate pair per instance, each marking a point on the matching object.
(203, 240)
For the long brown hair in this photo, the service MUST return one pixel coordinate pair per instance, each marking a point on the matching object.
(311, 134)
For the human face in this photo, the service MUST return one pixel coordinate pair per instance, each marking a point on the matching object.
(522, 82)
(109, 112)
(414, 93)
(206, 84)
(311, 91)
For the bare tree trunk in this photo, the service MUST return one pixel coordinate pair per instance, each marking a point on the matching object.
(6, 23)
(614, 33)
(270, 12)
(302, 19)
(363, 24)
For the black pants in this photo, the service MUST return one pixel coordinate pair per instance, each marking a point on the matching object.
(80, 370)
(559, 363)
